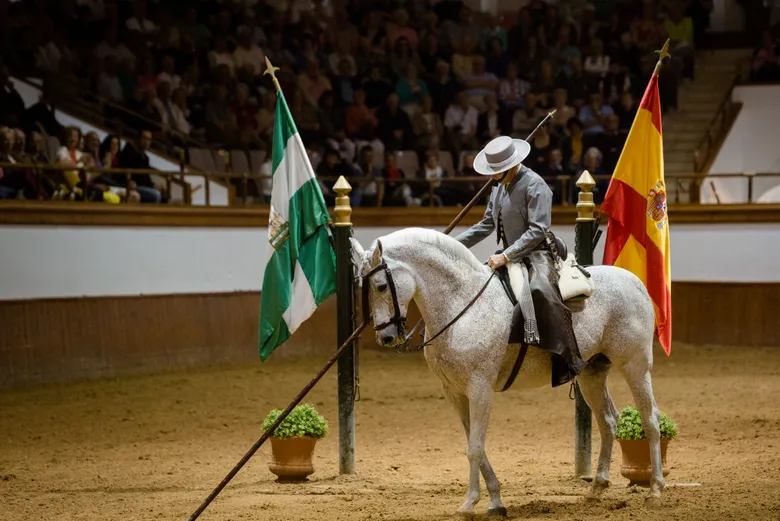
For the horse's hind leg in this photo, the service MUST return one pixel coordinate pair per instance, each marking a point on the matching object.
(637, 374)
(593, 384)
(461, 405)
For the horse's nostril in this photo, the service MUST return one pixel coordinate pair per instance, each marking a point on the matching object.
(387, 339)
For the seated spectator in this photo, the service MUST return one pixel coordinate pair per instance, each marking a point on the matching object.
(344, 85)
(576, 85)
(306, 117)
(563, 52)
(402, 56)
(164, 104)
(11, 179)
(401, 30)
(460, 125)
(679, 29)
(147, 77)
(194, 30)
(532, 56)
(563, 111)
(248, 56)
(110, 46)
(377, 88)
(496, 60)
(540, 151)
(430, 54)
(42, 115)
(168, 72)
(512, 90)
(610, 142)
(221, 125)
(444, 88)
(523, 29)
(373, 31)
(108, 84)
(647, 31)
(592, 163)
(394, 191)
(361, 121)
(395, 127)
(365, 191)
(433, 173)
(552, 172)
(612, 32)
(411, 89)
(313, 84)
(341, 54)
(36, 150)
(480, 83)
(139, 22)
(342, 29)
(463, 58)
(626, 112)
(248, 118)
(491, 33)
(597, 63)
(310, 53)
(592, 115)
(588, 27)
(221, 55)
(180, 112)
(573, 145)
(333, 118)
(135, 156)
(427, 125)
(616, 82)
(332, 167)
(493, 122)
(766, 61)
(546, 84)
(70, 154)
(525, 120)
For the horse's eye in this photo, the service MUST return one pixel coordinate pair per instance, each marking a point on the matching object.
(381, 287)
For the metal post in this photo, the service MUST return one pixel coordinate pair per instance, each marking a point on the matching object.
(583, 250)
(346, 316)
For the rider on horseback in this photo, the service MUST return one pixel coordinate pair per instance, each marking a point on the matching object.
(520, 209)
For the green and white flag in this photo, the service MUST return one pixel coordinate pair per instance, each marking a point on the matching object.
(301, 269)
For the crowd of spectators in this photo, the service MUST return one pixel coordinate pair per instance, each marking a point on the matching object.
(366, 80)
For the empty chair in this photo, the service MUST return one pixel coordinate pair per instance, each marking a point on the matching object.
(256, 159)
(445, 160)
(239, 162)
(220, 160)
(408, 161)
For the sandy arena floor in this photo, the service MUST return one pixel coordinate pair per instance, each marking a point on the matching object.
(153, 447)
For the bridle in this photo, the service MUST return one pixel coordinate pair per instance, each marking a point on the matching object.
(399, 320)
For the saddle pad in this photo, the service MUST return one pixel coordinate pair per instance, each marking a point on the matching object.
(572, 282)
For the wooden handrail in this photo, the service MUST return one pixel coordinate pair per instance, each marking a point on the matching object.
(715, 130)
(563, 181)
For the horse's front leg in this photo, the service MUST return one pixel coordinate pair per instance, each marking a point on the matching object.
(461, 405)
(480, 396)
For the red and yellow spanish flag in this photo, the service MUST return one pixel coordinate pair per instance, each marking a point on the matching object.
(638, 230)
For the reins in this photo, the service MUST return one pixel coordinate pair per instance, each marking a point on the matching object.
(397, 319)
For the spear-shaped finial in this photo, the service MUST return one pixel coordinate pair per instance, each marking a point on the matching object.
(663, 53)
(270, 69)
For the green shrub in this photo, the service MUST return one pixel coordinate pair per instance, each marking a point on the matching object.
(304, 420)
(629, 425)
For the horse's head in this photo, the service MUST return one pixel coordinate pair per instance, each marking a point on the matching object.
(388, 287)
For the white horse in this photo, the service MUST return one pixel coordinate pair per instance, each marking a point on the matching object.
(472, 358)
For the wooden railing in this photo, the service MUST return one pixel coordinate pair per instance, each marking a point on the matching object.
(427, 189)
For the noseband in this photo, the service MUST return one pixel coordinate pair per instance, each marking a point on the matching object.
(397, 320)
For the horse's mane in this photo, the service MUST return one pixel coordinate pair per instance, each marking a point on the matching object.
(414, 237)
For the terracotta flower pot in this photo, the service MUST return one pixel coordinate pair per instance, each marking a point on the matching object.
(636, 461)
(291, 458)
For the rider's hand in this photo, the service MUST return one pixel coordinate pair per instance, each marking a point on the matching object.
(496, 261)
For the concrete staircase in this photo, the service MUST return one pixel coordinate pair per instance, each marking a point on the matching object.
(698, 103)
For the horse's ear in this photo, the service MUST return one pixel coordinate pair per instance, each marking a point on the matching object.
(358, 253)
(376, 257)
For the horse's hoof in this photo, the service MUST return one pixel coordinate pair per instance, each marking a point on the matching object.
(652, 502)
(497, 512)
(466, 516)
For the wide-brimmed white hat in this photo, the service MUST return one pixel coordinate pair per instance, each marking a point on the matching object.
(500, 155)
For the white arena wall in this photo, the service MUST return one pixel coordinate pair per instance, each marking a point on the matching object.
(81, 261)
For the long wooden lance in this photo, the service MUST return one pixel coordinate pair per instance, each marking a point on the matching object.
(482, 191)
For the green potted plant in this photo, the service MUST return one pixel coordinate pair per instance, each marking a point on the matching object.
(636, 449)
(293, 441)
